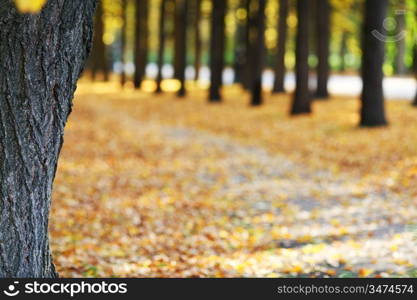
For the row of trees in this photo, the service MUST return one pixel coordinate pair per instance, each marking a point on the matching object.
(250, 50)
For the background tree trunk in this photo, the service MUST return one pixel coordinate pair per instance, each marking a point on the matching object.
(373, 110)
(343, 51)
(123, 43)
(99, 63)
(181, 36)
(161, 47)
(258, 53)
(241, 46)
(400, 67)
(42, 57)
(141, 41)
(415, 70)
(281, 47)
(302, 100)
(217, 46)
(323, 10)
(197, 40)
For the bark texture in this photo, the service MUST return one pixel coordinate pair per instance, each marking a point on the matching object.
(302, 99)
(41, 57)
(282, 40)
(373, 110)
(323, 44)
(217, 46)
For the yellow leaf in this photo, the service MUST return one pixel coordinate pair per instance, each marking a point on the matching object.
(30, 6)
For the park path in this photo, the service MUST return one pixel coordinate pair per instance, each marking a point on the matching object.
(246, 212)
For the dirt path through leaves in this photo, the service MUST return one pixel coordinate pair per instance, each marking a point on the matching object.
(137, 198)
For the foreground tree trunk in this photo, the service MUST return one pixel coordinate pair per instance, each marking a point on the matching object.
(373, 110)
(141, 41)
(302, 101)
(323, 10)
(161, 46)
(217, 45)
(281, 48)
(258, 53)
(42, 57)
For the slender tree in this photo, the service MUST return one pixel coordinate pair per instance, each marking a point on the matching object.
(373, 110)
(42, 57)
(343, 50)
(161, 47)
(181, 51)
(258, 53)
(400, 67)
(323, 10)
(415, 70)
(248, 67)
(198, 44)
(281, 48)
(141, 41)
(98, 58)
(302, 99)
(217, 46)
(241, 43)
(123, 43)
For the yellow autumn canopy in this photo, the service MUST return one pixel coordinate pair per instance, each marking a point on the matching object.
(30, 6)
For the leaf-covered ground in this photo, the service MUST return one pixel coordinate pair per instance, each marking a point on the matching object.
(156, 186)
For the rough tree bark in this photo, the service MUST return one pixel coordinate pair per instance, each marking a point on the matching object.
(141, 41)
(161, 47)
(98, 58)
(217, 46)
(258, 53)
(373, 110)
(323, 10)
(302, 99)
(41, 57)
(281, 47)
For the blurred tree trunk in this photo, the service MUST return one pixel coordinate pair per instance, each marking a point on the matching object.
(323, 11)
(343, 51)
(99, 63)
(400, 67)
(141, 41)
(181, 40)
(197, 39)
(302, 98)
(161, 47)
(281, 48)
(258, 53)
(241, 45)
(217, 46)
(415, 70)
(123, 45)
(373, 110)
(248, 46)
(42, 57)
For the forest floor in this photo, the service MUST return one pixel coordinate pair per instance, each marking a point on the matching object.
(157, 186)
